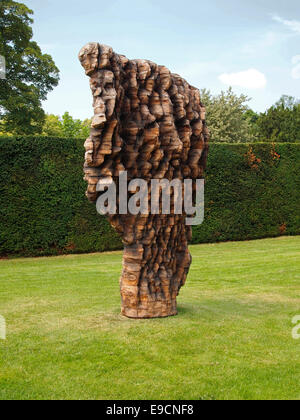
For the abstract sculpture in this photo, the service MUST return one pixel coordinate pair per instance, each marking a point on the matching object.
(150, 123)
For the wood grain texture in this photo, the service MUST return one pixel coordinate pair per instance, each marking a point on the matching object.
(150, 123)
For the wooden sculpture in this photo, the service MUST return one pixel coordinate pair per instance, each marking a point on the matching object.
(150, 123)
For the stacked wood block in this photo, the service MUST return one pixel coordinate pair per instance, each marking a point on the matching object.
(150, 123)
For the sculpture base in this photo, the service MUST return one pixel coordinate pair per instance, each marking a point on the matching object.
(150, 310)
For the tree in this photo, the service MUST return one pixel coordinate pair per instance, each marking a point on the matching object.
(66, 126)
(252, 118)
(71, 127)
(281, 122)
(30, 74)
(287, 102)
(3, 131)
(52, 126)
(85, 128)
(228, 117)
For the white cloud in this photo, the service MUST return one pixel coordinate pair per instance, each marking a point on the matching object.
(266, 43)
(261, 44)
(250, 79)
(294, 25)
(296, 59)
(296, 68)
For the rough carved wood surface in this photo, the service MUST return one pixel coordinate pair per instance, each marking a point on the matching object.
(150, 123)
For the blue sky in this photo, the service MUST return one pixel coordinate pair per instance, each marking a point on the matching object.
(253, 45)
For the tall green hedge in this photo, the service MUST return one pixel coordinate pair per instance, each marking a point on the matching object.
(43, 208)
(251, 192)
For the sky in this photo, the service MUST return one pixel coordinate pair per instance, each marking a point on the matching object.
(252, 45)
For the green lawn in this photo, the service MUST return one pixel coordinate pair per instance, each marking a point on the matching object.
(231, 340)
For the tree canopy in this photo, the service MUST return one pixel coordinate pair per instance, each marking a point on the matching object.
(30, 74)
(281, 122)
(66, 126)
(228, 117)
